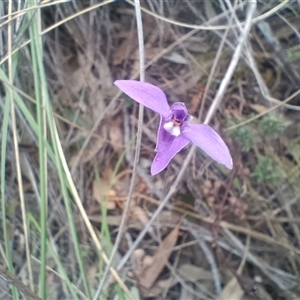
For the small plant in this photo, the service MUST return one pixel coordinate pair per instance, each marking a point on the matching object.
(244, 136)
(273, 125)
(267, 171)
(294, 147)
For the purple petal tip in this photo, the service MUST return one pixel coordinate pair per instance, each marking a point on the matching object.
(146, 94)
(210, 142)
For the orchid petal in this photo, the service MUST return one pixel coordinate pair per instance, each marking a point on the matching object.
(210, 142)
(163, 137)
(179, 106)
(163, 158)
(146, 94)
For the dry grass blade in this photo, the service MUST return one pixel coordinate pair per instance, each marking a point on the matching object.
(16, 148)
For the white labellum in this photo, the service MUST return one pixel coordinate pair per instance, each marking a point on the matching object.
(173, 130)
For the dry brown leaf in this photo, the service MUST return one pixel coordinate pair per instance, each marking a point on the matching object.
(262, 294)
(187, 272)
(140, 214)
(101, 193)
(150, 52)
(187, 293)
(196, 44)
(258, 108)
(150, 274)
(91, 152)
(116, 135)
(126, 48)
(193, 273)
(175, 57)
(232, 290)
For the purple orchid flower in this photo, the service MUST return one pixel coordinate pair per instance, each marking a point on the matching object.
(175, 130)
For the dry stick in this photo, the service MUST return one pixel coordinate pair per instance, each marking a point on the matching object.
(235, 58)
(223, 86)
(215, 64)
(211, 260)
(239, 271)
(12, 280)
(201, 243)
(137, 149)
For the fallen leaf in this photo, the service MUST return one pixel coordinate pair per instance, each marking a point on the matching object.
(258, 108)
(116, 135)
(193, 273)
(209, 10)
(187, 293)
(262, 294)
(134, 293)
(126, 47)
(101, 193)
(150, 274)
(175, 58)
(232, 290)
(140, 214)
(188, 272)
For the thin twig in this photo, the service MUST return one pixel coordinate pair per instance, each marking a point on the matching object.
(12, 280)
(137, 149)
(211, 260)
(281, 103)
